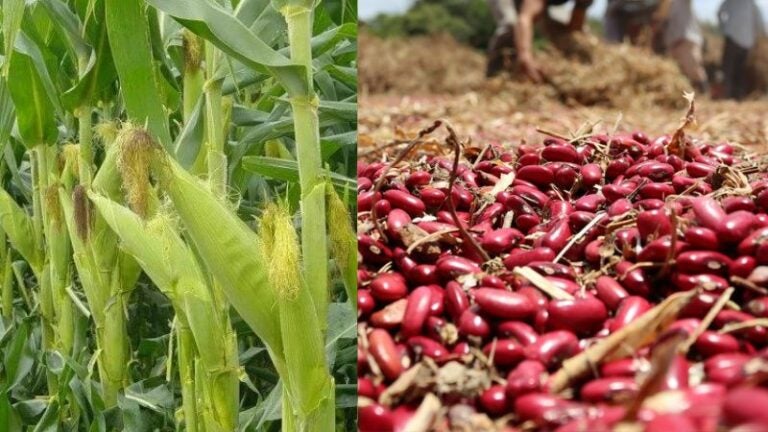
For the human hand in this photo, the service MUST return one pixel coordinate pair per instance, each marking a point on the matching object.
(530, 68)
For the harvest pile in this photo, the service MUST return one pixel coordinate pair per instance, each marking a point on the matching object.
(607, 281)
(613, 76)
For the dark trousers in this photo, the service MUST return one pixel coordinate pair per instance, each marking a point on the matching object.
(735, 70)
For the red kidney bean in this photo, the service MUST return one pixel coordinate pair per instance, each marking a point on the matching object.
(703, 262)
(649, 204)
(545, 409)
(424, 274)
(373, 251)
(579, 219)
(653, 223)
(565, 177)
(698, 169)
(462, 197)
(557, 237)
(660, 250)
(375, 418)
(553, 347)
(735, 203)
(418, 178)
(614, 192)
(529, 159)
(629, 310)
(433, 226)
(676, 377)
(504, 304)
(527, 377)
(656, 171)
(519, 331)
(656, 190)
(727, 369)
(591, 175)
(364, 184)
(382, 207)
(456, 300)
(742, 266)
(405, 201)
(501, 240)
(582, 315)
(396, 220)
(592, 251)
(561, 153)
(711, 343)
(505, 352)
(472, 324)
(365, 303)
(432, 197)
(537, 297)
(557, 209)
(391, 316)
(494, 400)
(702, 238)
(384, 352)
(757, 334)
(610, 292)
(493, 281)
(527, 221)
(536, 174)
(416, 312)
(619, 207)
(626, 367)
(449, 266)
(634, 281)
(436, 300)
(389, 287)
(758, 307)
(532, 195)
(709, 282)
(548, 268)
(756, 245)
(492, 212)
(617, 167)
(521, 257)
(424, 346)
(746, 405)
(708, 212)
(365, 200)
(736, 226)
(608, 389)
(626, 240)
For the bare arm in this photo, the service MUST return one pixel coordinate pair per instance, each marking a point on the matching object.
(529, 11)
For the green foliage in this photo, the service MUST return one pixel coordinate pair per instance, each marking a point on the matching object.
(468, 21)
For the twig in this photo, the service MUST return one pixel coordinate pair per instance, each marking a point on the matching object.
(542, 283)
(580, 235)
(429, 237)
(707, 321)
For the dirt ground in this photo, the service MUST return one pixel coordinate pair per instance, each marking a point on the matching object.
(449, 84)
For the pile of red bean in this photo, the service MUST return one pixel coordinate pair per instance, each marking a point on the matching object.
(615, 224)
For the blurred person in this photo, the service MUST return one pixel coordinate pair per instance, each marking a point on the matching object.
(625, 19)
(503, 40)
(680, 36)
(742, 24)
(529, 11)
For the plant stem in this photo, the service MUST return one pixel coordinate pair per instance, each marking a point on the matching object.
(187, 375)
(307, 134)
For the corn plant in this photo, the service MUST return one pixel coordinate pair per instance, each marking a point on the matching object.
(176, 247)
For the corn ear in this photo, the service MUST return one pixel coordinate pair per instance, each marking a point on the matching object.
(343, 240)
(19, 228)
(230, 251)
(308, 380)
(172, 266)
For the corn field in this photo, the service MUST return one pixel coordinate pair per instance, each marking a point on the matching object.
(176, 245)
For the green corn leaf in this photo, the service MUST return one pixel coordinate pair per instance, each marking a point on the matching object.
(100, 72)
(34, 110)
(230, 251)
(129, 39)
(13, 14)
(287, 170)
(7, 114)
(211, 22)
(39, 53)
(19, 229)
(69, 24)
